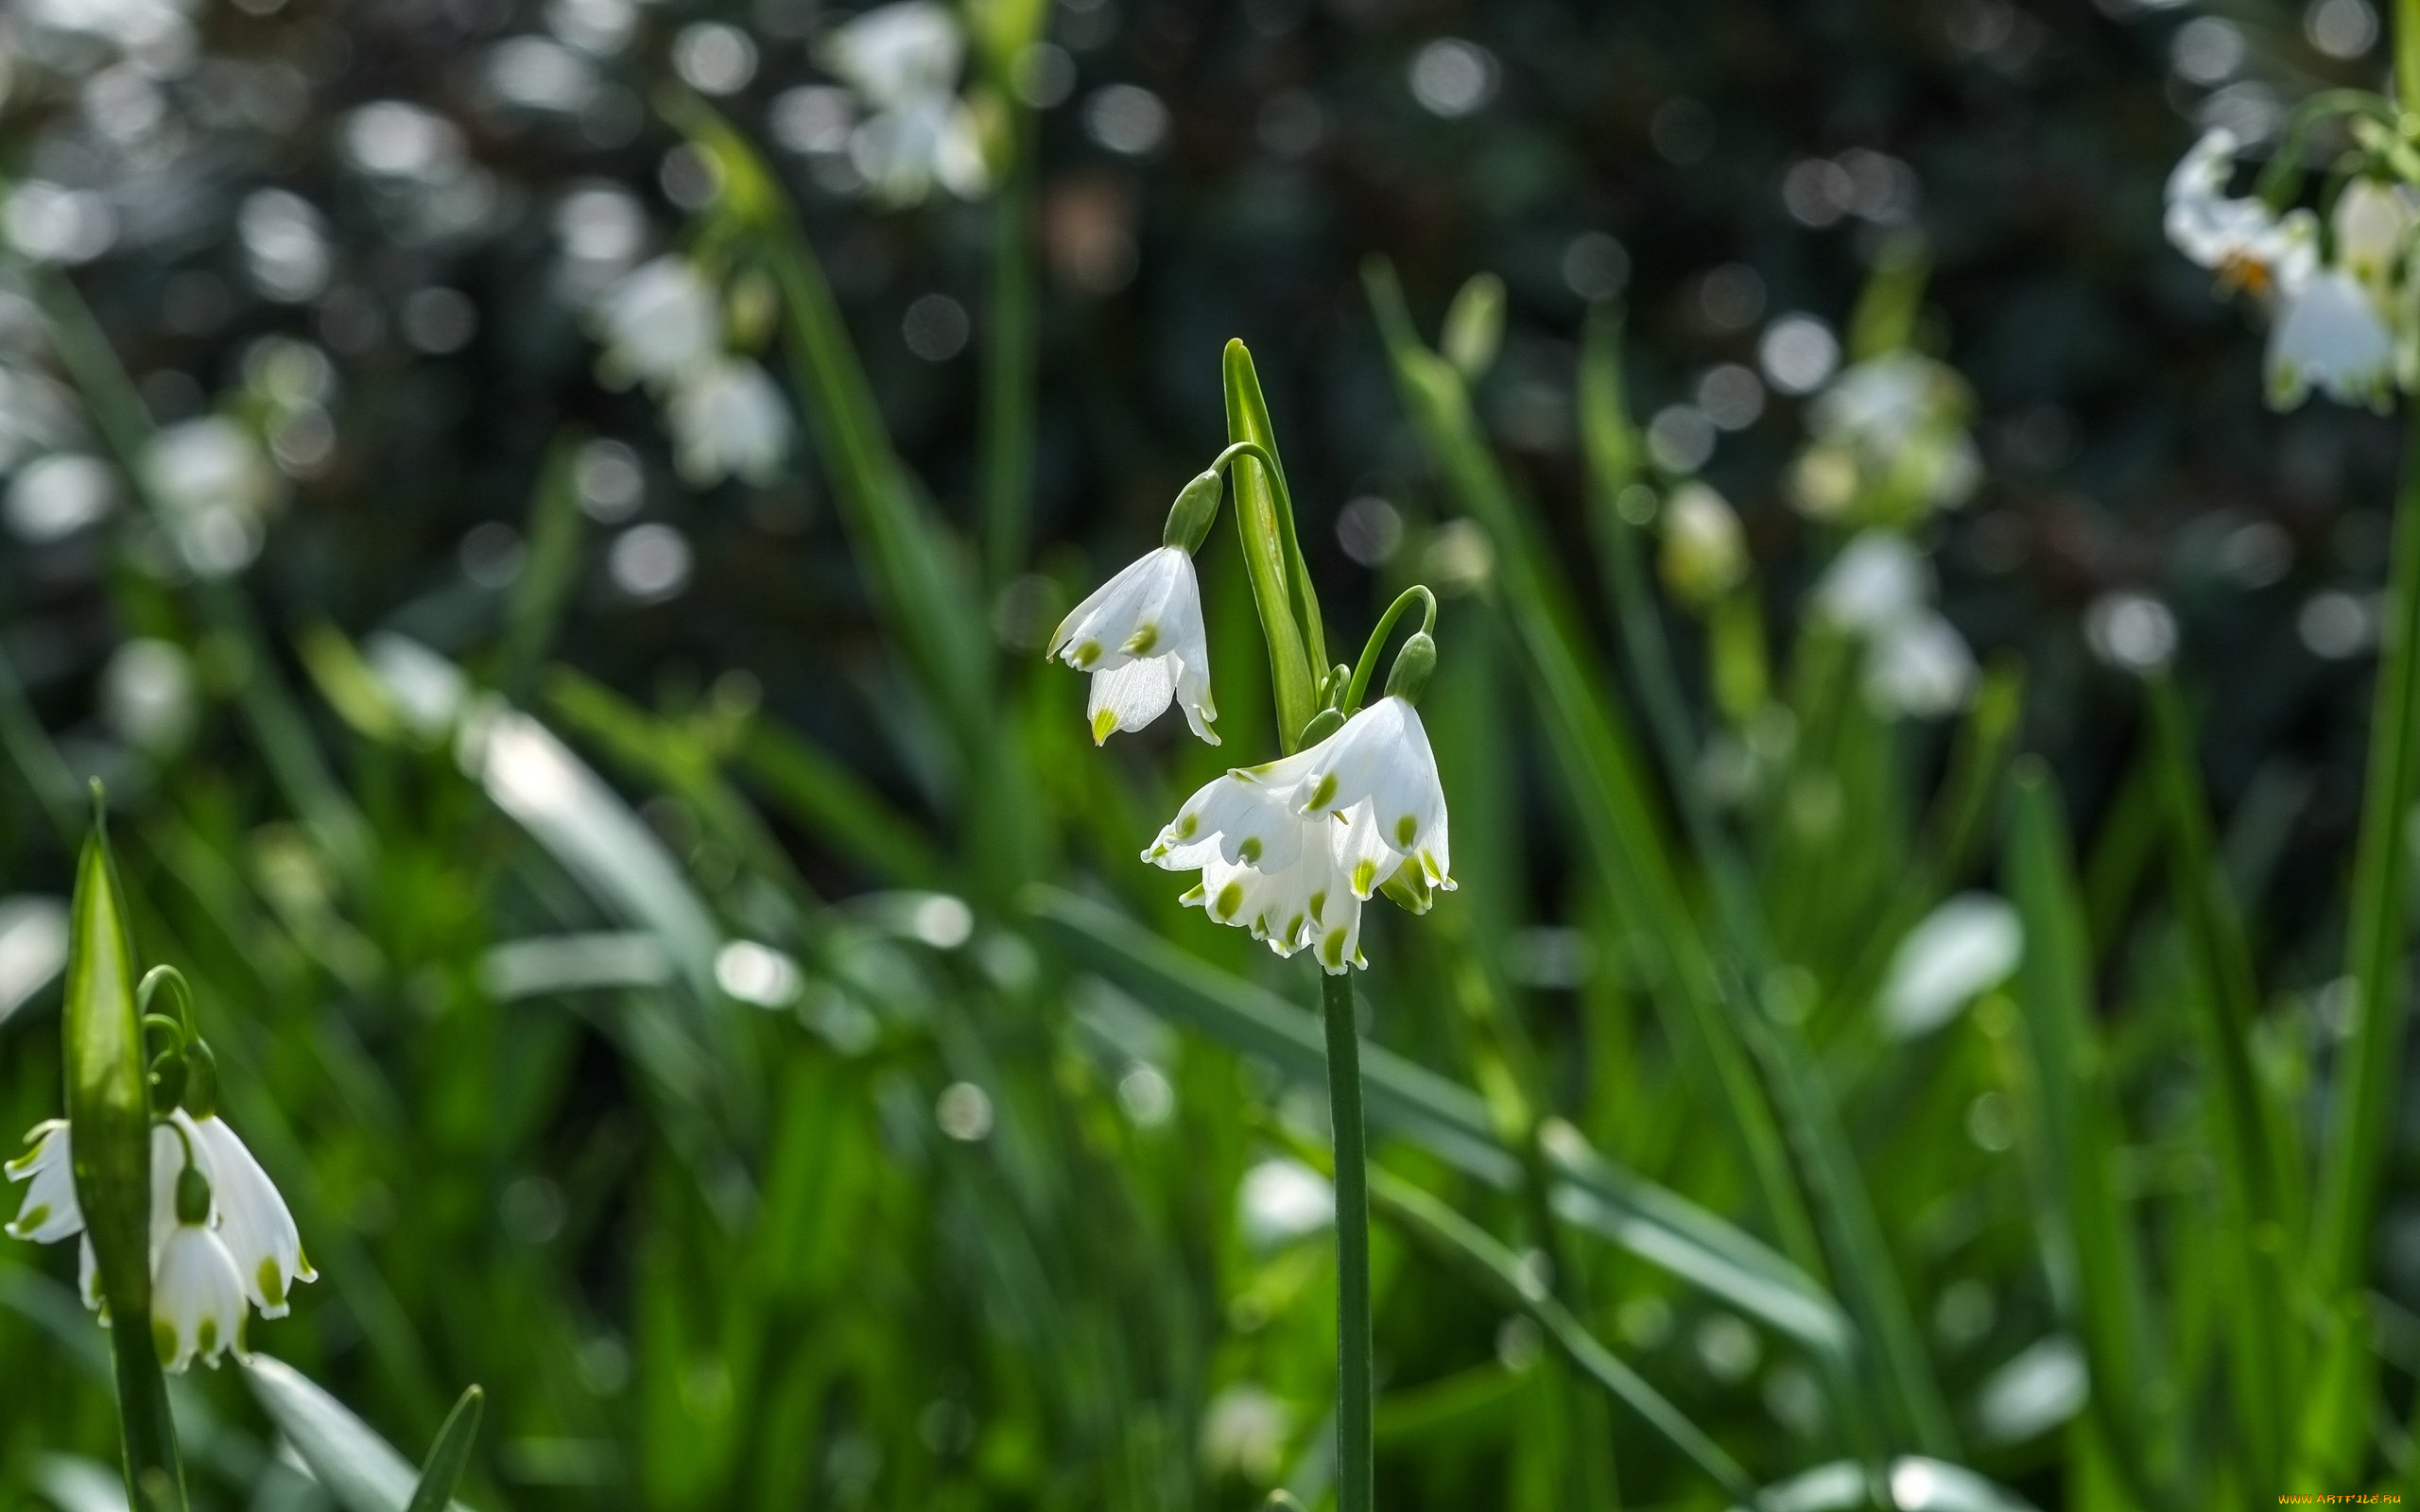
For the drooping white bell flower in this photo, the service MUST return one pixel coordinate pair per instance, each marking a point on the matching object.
(728, 419)
(253, 1221)
(903, 61)
(1141, 637)
(660, 323)
(50, 1212)
(2330, 335)
(197, 1298)
(1381, 758)
(1877, 578)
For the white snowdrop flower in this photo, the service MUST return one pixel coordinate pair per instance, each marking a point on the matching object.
(1381, 758)
(1877, 579)
(1919, 665)
(197, 1298)
(903, 61)
(217, 485)
(49, 1213)
(2248, 243)
(660, 323)
(1140, 635)
(2373, 223)
(728, 418)
(253, 1221)
(2330, 335)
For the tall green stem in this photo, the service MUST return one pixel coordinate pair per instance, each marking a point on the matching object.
(1355, 1472)
(2407, 54)
(2374, 946)
(1009, 366)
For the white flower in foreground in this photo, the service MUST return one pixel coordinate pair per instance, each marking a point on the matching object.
(49, 1213)
(1291, 849)
(253, 1221)
(214, 1247)
(197, 1298)
(661, 322)
(2330, 335)
(1140, 636)
(903, 61)
(728, 418)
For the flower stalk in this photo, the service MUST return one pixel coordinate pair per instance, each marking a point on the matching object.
(108, 1114)
(1355, 1353)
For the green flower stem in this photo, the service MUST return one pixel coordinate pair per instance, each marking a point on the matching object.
(1359, 686)
(1008, 412)
(1355, 1472)
(2407, 54)
(109, 1116)
(2374, 943)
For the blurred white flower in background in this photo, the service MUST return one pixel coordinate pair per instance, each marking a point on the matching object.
(1891, 443)
(216, 487)
(56, 495)
(903, 61)
(1705, 554)
(729, 419)
(1880, 590)
(659, 324)
(148, 694)
(2334, 327)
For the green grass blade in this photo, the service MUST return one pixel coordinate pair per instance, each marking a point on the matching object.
(1454, 1124)
(1718, 993)
(2365, 1085)
(451, 1455)
(2096, 1273)
(1478, 1256)
(361, 1471)
(545, 581)
(838, 806)
(1009, 367)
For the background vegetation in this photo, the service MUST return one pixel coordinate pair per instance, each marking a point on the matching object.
(688, 970)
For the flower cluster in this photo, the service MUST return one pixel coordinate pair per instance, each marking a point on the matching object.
(663, 326)
(222, 1239)
(902, 61)
(2340, 304)
(1891, 443)
(1291, 849)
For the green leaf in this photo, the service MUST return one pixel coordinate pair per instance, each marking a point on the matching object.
(450, 1455)
(1280, 585)
(360, 1470)
(2096, 1272)
(109, 1116)
(1453, 1123)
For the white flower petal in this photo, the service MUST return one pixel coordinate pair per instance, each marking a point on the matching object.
(254, 1220)
(728, 418)
(50, 1212)
(897, 54)
(197, 1299)
(1131, 696)
(1141, 636)
(2330, 335)
(661, 322)
(1382, 757)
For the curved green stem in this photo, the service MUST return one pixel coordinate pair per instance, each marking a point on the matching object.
(2277, 178)
(1359, 686)
(1355, 1471)
(168, 976)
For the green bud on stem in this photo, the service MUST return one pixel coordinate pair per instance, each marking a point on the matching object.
(1408, 677)
(1195, 511)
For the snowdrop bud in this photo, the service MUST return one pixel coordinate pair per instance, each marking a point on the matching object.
(169, 1077)
(1323, 724)
(201, 1081)
(1196, 508)
(1408, 677)
(193, 1195)
(1705, 555)
(1473, 327)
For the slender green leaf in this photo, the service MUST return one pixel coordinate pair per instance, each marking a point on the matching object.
(451, 1455)
(1281, 587)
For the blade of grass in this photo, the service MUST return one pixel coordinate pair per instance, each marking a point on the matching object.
(1454, 1124)
(361, 1471)
(2096, 1273)
(2374, 947)
(450, 1455)
(2253, 1182)
(838, 806)
(1720, 994)
(1009, 366)
(546, 580)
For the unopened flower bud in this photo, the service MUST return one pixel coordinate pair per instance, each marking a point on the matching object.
(1323, 724)
(193, 1196)
(1408, 677)
(1196, 506)
(200, 1097)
